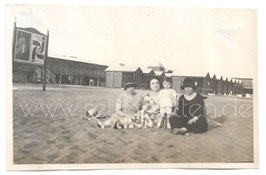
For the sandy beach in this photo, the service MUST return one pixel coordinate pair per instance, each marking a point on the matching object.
(67, 137)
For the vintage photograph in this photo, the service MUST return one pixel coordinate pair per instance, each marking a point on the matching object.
(131, 87)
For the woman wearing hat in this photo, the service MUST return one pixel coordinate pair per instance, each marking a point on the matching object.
(127, 104)
(191, 114)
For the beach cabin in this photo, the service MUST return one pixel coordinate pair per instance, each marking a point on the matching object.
(220, 85)
(202, 81)
(239, 87)
(206, 86)
(225, 86)
(117, 76)
(148, 74)
(230, 85)
(246, 86)
(214, 85)
(236, 87)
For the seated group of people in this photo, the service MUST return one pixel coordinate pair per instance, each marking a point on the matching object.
(160, 108)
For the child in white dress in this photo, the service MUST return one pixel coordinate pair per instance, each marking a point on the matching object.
(167, 102)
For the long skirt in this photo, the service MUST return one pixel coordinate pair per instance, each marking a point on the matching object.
(199, 126)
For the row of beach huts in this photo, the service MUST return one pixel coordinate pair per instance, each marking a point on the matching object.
(206, 82)
(70, 70)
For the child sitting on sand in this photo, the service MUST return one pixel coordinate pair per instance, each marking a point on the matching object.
(191, 114)
(167, 102)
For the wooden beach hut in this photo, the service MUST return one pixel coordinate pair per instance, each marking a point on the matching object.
(230, 86)
(220, 85)
(202, 80)
(225, 86)
(148, 74)
(117, 76)
(214, 84)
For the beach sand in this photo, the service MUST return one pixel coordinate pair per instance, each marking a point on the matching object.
(62, 138)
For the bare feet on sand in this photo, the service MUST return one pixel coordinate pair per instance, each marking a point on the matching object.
(179, 131)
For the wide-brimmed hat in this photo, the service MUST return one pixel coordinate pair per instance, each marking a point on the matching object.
(188, 82)
(129, 84)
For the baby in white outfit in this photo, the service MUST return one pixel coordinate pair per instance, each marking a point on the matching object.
(167, 101)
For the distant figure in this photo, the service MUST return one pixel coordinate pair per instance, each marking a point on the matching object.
(91, 82)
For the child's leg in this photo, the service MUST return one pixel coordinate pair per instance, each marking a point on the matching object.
(160, 118)
(159, 122)
(169, 114)
(149, 123)
(167, 122)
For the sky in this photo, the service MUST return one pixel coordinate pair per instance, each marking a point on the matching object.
(186, 40)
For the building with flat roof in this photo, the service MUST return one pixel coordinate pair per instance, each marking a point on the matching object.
(247, 84)
(69, 70)
(61, 70)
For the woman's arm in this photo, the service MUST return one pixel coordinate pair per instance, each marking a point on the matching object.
(119, 106)
(180, 110)
(174, 96)
(198, 111)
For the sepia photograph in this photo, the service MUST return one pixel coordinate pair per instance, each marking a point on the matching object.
(117, 87)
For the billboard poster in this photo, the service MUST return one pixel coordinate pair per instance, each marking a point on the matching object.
(22, 46)
(30, 47)
(38, 48)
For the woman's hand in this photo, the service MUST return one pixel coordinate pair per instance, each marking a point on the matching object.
(193, 120)
(120, 113)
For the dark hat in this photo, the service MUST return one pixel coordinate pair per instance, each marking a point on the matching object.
(188, 82)
(129, 84)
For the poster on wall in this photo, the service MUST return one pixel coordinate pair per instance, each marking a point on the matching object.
(22, 46)
(30, 47)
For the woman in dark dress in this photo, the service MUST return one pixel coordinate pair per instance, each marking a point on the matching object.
(191, 114)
